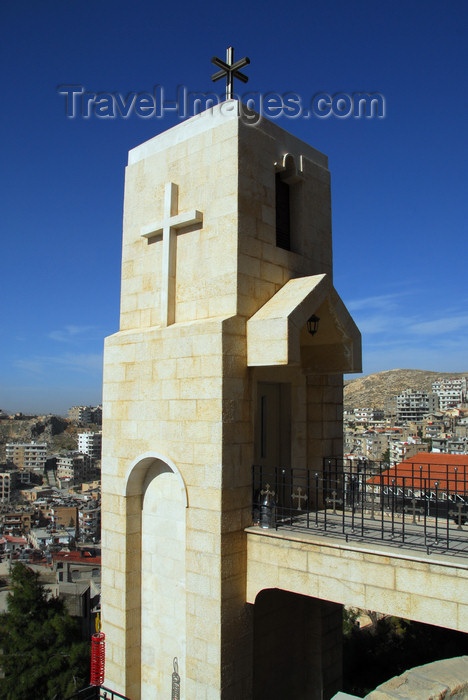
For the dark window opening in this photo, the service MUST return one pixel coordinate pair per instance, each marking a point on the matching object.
(283, 218)
(263, 427)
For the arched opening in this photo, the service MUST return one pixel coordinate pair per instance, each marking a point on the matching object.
(156, 510)
(288, 202)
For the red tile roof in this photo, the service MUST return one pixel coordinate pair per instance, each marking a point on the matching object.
(425, 469)
(81, 557)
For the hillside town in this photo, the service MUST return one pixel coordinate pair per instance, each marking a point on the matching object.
(413, 421)
(50, 508)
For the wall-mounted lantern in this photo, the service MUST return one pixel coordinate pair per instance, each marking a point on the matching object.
(313, 324)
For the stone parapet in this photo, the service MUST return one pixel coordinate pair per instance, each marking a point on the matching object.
(447, 678)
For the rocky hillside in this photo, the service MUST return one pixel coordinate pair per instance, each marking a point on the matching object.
(375, 389)
(38, 428)
(57, 432)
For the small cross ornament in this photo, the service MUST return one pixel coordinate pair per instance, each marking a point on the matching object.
(458, 514)
(372, 496)
(299, 497)
(267, 493)
(413, 510)
(334, 500)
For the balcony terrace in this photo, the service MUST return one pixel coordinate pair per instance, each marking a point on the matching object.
(421, 507)
(366, 536)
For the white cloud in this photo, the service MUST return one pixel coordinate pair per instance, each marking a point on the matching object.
(32, 365)
(73, 362)
(375, 324)
(387, 302)
(69, 333)
(438, 326)
(81, 362)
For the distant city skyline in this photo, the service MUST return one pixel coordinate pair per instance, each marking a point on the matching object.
(398, 182)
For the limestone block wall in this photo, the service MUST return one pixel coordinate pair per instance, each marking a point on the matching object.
(324, 418)
(201, 159)
(263, 267)
(163, 389)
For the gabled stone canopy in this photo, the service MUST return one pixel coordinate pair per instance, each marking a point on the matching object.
(277, 334)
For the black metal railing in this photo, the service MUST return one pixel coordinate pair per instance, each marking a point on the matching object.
(94, 692)
(420, 506)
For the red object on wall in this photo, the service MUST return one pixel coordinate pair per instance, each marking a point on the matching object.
(98, 657)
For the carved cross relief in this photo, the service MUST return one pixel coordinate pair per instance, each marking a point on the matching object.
(167, 229)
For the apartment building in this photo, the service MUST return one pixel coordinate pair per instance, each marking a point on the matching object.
(96, 415)
(5, 487)
(451, 392)
(370, 444)
(368, 414)
(63, 516)
(413, 405)
(375, 443)
(447, 444)
(42, 538)
(89, 521)
(80, 414)
(85, 414)
(76, 566)
(434, 429)
(75, 466)
(27, 455)
(399, 450)
(461, 429)
(17, 521)
(90, 443)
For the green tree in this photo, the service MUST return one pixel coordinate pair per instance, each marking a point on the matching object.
(428, 440)
(385, 456)
(43, 656)
(350, 615)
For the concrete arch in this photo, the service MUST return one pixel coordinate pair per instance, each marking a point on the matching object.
(145, 468)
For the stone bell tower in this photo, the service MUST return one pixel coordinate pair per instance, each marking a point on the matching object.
(226, 256)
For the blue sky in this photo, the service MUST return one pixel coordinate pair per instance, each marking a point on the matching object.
(399, 184)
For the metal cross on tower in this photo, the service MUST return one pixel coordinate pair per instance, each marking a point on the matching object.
(230, 70)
